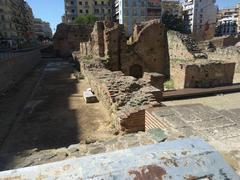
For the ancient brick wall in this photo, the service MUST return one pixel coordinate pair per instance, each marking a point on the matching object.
(147, 52)
(67, 38)
(230, 54)
(13, 69)
(225, 41)
(202, 74)
(125, 97)
(183, 47)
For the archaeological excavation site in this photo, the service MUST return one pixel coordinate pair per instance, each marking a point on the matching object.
(102, 104)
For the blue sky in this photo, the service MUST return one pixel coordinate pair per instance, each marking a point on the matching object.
(52, 10)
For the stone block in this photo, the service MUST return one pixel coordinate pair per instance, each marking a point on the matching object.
(89, 97)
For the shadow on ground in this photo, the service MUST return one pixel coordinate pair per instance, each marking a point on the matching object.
(55, 115)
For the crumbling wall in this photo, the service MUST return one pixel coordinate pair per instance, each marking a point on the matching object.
(148, 51)
(225, 41)
(125, 97)
(229, 54)
(67, 38)
(202, 74)
(14, 68)
(183, 47)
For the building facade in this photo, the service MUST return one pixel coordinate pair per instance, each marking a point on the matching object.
(227, 23)
(200, 18)
(238, 19)
(130, 12)
(173, 7)
(102, 9)
(16, 19)
(41, 29)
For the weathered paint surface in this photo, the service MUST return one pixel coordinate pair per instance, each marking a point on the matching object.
(181, 159)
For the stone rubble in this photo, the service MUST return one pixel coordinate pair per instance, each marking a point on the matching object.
(37, 157)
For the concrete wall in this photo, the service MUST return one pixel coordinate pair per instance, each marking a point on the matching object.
(13, 69)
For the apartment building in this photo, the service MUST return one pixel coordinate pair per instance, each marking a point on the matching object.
(200, 18)
(16, 19)
(130, 12)
(227, 22)
(173, 7)
(41, 29)
(238, 20)
(102, 9)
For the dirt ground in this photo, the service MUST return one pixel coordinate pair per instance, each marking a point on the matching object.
(51, 113)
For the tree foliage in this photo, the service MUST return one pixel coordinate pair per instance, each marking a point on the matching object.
(173, 22)
(83, 20)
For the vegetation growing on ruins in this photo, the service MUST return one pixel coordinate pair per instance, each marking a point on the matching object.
(173, 22)
(83, 20)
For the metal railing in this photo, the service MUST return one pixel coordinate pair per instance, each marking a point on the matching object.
(7, 54)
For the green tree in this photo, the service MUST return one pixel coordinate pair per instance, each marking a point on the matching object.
(88, 19)
(173, 22)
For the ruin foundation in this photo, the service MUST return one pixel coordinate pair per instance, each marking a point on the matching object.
(125, 97)
(202, 74)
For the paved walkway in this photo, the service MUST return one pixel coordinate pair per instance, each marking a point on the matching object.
(221, 101)
(221, 128)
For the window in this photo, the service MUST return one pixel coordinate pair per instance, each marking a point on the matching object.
(80, 2)
(86, 11)
(86, 3)
(96, 11)
(102, 3)
(81, 11)
(72, 2)
(95, 2)
(73, 11)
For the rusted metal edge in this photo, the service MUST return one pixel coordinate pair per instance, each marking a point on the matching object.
(186, 159)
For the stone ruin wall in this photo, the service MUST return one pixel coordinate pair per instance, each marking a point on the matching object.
(12, 70)
(67, 38)
(183, 47)
(229, 54)
(149, 49)
(226, 41)
(125, 97)
(200, 75)
(148, 52)
(188, 60)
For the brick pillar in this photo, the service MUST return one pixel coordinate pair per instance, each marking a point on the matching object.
(155, 79)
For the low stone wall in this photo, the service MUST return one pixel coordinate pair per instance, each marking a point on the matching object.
(202, 74)
(125, 97)
(225, 41)
(13, 69)
(229, 54)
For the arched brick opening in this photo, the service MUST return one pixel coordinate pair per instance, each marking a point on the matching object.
(136, 71)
